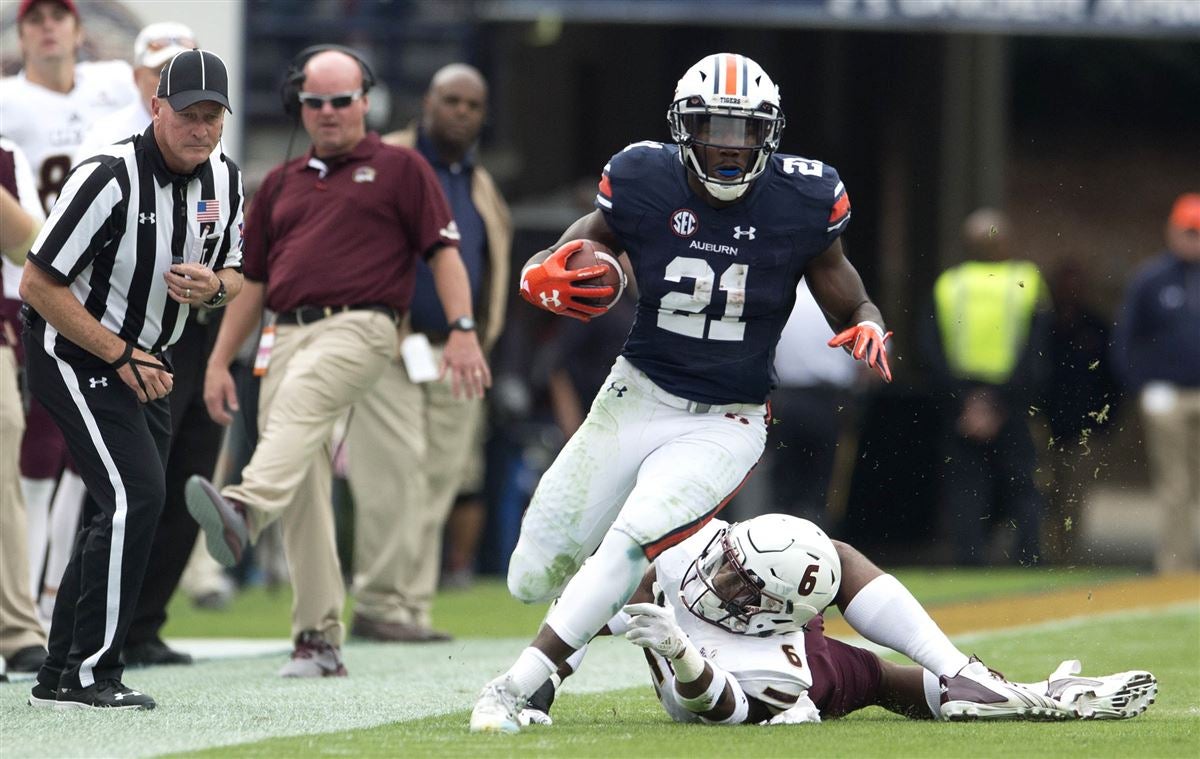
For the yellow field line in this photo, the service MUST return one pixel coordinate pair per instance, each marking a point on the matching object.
(1026, 609)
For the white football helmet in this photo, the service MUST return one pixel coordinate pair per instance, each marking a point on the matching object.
(726, 101)
(765, 576)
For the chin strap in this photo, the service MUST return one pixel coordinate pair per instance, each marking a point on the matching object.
(726, 191)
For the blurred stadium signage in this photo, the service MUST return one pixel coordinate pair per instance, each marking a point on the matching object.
(1134, 18)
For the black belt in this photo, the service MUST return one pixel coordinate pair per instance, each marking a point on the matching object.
(310, 314)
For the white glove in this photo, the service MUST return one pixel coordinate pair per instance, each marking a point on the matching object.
(654, 627)
(803, 711)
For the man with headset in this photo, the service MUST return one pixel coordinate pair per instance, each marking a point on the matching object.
(332, 243)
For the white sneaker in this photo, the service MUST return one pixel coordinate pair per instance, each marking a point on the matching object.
(978, 693)
(313, 656)
(497, 710)
(1119, 696)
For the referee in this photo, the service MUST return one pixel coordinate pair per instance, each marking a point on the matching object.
(142, 232)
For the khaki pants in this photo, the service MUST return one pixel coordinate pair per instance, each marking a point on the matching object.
(1172, 421)
(19, 627)
(317, 372)
(410, 447)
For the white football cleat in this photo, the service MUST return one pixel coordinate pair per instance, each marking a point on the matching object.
(978, 693)
(1119, 696)
(497, 710)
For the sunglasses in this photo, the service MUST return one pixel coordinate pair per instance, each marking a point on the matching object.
(340, 101)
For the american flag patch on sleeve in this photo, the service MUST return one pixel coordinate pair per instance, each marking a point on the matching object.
(208, 210)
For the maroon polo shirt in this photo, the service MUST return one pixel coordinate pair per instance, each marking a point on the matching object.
(349, 237)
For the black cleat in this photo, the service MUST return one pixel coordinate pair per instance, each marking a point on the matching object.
(106, 694)
(537, 709)
(28, 659)
(41, 697)
(152, 652)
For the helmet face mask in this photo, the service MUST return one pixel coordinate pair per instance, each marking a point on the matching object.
(727, 122)
(766, 576)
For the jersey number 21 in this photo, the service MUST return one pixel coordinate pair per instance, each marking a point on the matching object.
(692, 323)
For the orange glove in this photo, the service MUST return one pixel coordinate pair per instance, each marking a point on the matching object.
(866, 342)
(551, 286)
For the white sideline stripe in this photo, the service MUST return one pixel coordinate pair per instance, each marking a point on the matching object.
(211, 649)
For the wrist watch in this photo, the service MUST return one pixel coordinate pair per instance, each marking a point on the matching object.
(218, 300)
(463, 323)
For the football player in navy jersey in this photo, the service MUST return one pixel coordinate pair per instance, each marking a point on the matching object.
(718, 229)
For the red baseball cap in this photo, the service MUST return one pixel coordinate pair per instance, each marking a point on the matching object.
(1186, 212)
(27, 4)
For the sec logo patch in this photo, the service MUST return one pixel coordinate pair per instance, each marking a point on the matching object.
(684, 223)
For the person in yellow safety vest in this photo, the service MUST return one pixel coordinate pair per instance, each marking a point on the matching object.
(986, 342)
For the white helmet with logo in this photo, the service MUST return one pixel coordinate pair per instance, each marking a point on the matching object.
(726, 101)
(764, 576)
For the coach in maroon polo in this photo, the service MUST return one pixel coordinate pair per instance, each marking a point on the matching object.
(331, 243)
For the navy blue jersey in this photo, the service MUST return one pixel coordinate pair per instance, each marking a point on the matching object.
(716, 286)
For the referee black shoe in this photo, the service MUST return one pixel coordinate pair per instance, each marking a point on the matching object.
(27, 659)
(224, 526)
(41, 697)
(152, 652)
(106, 694)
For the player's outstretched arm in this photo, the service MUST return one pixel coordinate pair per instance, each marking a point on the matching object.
(838, 289)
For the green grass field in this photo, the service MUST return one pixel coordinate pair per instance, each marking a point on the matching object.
(413, 700)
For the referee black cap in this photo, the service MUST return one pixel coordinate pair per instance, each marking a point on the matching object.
(193, 76)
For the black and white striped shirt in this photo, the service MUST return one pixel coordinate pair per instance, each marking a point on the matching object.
(123, 218)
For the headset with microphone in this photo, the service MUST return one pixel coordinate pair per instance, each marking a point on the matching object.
(293, 80)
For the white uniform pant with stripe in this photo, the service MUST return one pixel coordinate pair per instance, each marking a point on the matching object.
(120, 447)
(646, 463)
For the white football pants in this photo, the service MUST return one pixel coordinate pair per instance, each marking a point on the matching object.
(646, 463)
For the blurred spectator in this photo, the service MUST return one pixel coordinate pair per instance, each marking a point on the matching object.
(45, 109)
(22, 639)
(1156, 350)
(987, 345)
(48, 105)
(1080, 400)
(411, 437)
(338, 289)
(155, 46)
